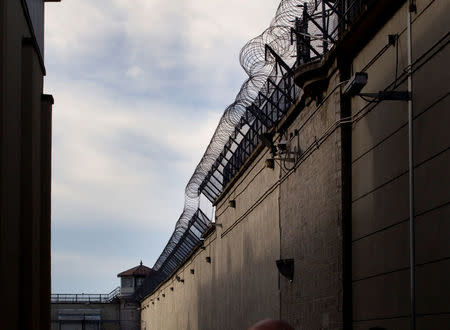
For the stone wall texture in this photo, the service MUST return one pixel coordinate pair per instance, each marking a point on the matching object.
(299, 211)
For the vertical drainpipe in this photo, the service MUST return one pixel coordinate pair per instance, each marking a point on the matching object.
(412, 252)
(344, 68)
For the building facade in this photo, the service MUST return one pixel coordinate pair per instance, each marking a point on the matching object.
(332, 206)
(25, 167)
(117, 310)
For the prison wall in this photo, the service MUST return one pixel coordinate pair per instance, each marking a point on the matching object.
(341, 210)
(380, 194)
(279, 213)
(238, 285)
(310, 215)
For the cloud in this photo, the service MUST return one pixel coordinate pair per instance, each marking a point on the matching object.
(123, 163)
(139, 89)
(72, 272)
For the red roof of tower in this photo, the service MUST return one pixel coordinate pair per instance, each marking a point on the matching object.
(140, 270)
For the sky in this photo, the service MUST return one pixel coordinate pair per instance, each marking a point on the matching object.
(139, 88)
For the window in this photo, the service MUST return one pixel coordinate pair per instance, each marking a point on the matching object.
(127, 282)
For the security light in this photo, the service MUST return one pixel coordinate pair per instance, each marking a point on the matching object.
(232, 203)
(286, 268)
(270, 163)
(208, 259)
(192, 271)
(356, 84)
(359, 80)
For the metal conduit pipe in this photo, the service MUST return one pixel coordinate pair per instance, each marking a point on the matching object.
(412, 245)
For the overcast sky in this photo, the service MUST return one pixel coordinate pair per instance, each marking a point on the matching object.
(139, 88)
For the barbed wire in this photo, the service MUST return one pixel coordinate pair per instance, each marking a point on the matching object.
(259, 66)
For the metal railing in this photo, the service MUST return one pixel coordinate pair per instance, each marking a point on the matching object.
(85, 298)
(315, 26)
(319, 28)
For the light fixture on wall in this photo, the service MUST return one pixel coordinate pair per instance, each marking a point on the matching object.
(359, 80)
(270, 163)
(163, 295)
(171, 288)
(192, 271)
(208, 259)
(356, 84)
(232, 203)
(286, 268)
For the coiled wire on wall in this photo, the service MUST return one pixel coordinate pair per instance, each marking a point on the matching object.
(259, 67)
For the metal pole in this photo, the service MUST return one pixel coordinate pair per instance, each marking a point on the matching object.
(325, 28)
(412, 252)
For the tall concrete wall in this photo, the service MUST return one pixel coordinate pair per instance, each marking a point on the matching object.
(310, 217)
(25, 151)
(380, 203)
(240, 284)
(130, 318)
(342, 211)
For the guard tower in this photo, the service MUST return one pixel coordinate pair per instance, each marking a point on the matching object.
(130, 281)
(132, 278)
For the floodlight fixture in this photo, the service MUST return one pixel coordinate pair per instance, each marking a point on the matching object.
(359, 80)
(286, 268)
(270, 163)
(356, 84)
